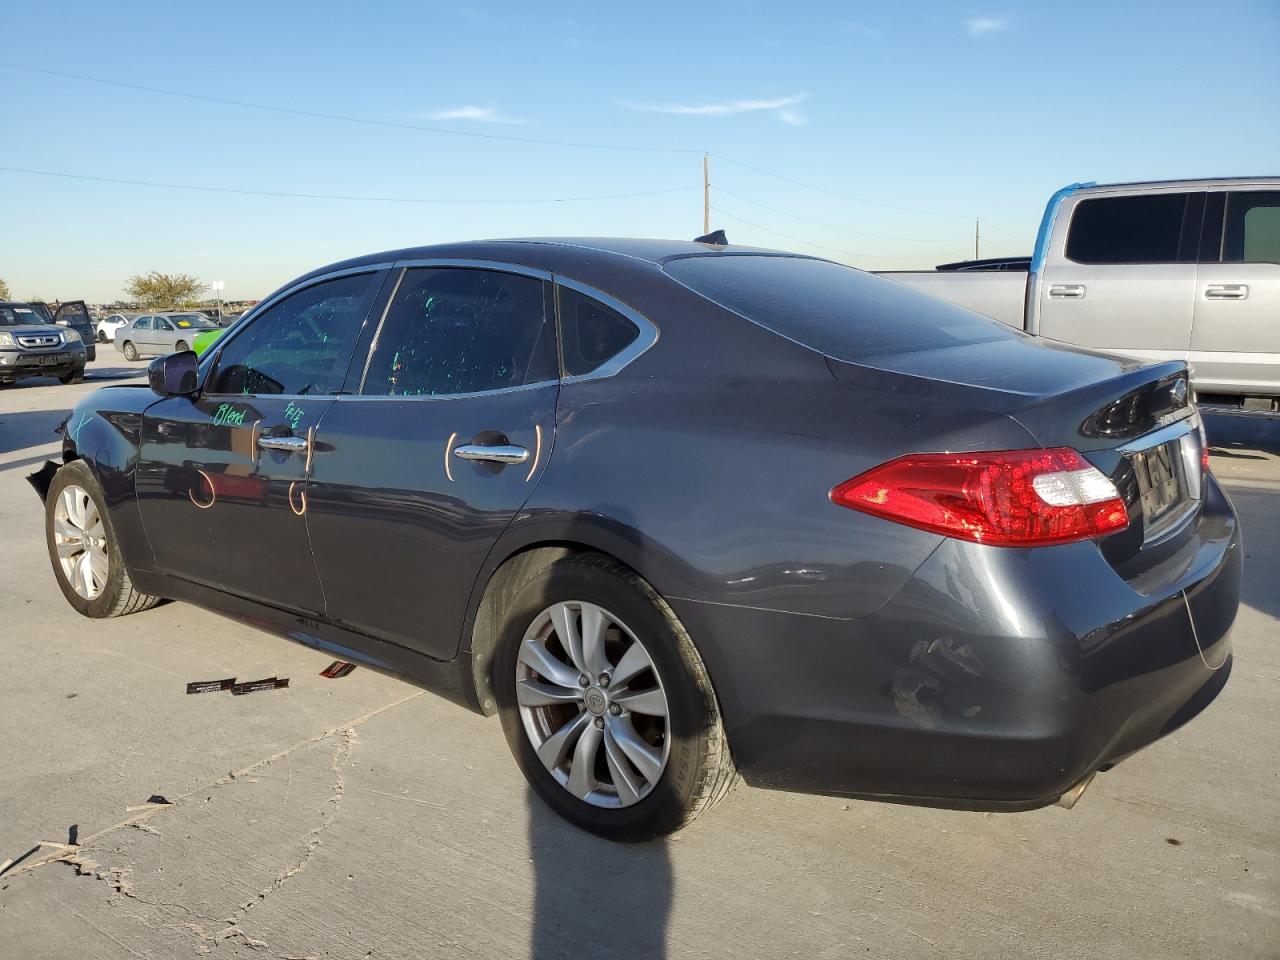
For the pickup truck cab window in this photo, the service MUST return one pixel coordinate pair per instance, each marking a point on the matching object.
(1144, 228)
(1251, 233)
(453, 330)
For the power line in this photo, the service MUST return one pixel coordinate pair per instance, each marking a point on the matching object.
(442, 131)
(837, 193)
(807, 243)
(368, 121)
(332, 196)
(830, 226)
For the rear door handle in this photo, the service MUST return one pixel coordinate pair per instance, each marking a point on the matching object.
(498, 453)
(1226, 291)
(1067, 291)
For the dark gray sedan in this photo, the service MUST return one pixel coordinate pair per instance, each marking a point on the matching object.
(678, 512)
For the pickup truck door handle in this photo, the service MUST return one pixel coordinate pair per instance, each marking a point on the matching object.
(1067, 291)
(1226, 291)
(497, 453)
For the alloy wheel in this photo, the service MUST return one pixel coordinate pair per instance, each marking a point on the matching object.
(81, 540)
(592, 704)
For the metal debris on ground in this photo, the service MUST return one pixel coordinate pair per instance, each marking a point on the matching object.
(339, 668)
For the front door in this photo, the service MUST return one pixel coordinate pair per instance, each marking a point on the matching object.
(1235, 344)
(221, 477)
(443, 439)
(1125, 278)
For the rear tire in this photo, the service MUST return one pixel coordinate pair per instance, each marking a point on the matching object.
(84, 550)
(621, 801)
(130, 351)
(180, 346)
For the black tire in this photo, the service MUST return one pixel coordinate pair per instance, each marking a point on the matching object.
(76, 376)
(180, 346)
(130, 351)
(102, 337)
(699, 770)
(118, 596)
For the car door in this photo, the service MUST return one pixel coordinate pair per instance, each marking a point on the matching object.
(442, 439)
(139, 334)
(221, 476)
(1123, 278)
(163, 335)
(1235, 340)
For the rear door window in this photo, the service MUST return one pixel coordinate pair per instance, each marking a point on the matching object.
(1251, 233)
(1137, 229)
(454, 330)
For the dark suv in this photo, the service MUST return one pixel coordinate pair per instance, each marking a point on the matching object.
(32, 347)
(73, 314)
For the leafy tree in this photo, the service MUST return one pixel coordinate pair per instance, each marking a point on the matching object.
(4, 290)
(157, 290)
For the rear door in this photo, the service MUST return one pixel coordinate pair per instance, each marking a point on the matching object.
(1123, 275)
(440, 441)
(221, 476)
(1235, 341)
(140, 333)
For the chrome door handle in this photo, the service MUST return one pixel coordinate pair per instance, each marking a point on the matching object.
(1067, 291)
(287, 444)
(1226, 291)
(499, 453)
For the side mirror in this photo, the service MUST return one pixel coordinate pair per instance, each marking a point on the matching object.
(175, 375)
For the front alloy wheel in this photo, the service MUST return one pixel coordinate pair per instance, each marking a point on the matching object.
(81, 541)
(592, 704)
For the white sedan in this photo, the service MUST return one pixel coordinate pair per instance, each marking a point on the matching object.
(108, 326)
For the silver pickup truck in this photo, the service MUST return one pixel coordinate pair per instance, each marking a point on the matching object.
(1180, 269)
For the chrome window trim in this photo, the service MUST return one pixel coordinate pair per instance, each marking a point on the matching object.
(498, 266)
(237, 328)
(646, 338)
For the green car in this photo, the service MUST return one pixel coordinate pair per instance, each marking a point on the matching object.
(203, 341)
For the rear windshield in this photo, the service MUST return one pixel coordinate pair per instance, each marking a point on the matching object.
(837, 310)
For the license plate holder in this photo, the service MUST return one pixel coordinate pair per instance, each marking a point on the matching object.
(51, 360)
(1162, 485)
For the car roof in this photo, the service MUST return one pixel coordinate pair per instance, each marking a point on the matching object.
(1184, 184)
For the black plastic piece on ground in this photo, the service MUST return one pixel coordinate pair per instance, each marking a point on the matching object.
(339, 668)
(210, 686)
(253, 686)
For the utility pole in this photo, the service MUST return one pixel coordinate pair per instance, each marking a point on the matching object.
(977, 237)
(706, 197)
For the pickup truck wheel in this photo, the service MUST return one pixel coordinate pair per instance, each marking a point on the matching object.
(84, 550)
(606, 704)
(130, 351)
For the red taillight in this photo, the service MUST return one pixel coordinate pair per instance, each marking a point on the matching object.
(1010, 498)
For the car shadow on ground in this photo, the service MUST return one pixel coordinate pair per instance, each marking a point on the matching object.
(593, 891)
(29, 428)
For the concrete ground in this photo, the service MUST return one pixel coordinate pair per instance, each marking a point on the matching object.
(362, 818)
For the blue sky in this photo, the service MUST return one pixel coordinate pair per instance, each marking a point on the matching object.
(936, 112)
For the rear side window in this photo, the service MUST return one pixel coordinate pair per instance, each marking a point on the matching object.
(1142, 229)
(592, 333)
(841, 312)
(454, 331)
(1252, 230)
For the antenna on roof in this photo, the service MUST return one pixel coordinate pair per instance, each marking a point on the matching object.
(715, 237)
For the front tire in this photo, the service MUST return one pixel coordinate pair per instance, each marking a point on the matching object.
(130, 351)
(606, 703)
(84, 550)
(76, 376)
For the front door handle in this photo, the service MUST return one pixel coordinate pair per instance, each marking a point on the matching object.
(287, 444)
(498, 453)
(1067, 291)
(1226, 291)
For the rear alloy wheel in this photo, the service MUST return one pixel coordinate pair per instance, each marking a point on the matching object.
(606, 704)
(83, 550)
(130, 351)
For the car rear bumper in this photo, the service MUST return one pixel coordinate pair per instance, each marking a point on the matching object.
(994, 679)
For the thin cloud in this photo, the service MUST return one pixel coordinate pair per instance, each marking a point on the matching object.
(725, 108)
(977, 26)
(472, 112)
(863, 30)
